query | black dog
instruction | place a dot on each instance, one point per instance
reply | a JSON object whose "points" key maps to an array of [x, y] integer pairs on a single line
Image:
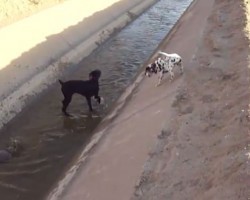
{"points": [[88, 88]]}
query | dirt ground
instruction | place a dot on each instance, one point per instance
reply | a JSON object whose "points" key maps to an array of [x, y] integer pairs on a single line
{"points": [[204, 151], [11, 11]]}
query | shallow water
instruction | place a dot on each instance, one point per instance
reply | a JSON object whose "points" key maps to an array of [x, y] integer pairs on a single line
{"points": [[50, 140]]}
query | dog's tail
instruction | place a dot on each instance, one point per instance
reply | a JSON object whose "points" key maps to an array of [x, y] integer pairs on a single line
{"points": [[163, 53], [61, 82]]}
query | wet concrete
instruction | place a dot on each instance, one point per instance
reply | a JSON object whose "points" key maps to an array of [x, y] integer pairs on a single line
{"points": [[51, 140]]}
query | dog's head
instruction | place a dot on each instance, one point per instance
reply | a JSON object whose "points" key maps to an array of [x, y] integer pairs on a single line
{"points": [[95, 74], [99, 100], [150, 69], [154, 67]]}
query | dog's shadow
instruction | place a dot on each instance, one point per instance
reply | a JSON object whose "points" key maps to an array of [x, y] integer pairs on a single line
{"points": [[166, 79]]}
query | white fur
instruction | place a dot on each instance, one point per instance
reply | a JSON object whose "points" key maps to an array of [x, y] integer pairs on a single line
{"points": [[170, 61]]}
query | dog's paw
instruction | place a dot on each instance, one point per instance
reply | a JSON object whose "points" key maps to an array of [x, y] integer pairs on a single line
{"points": [[67, 114], [91, 112]]}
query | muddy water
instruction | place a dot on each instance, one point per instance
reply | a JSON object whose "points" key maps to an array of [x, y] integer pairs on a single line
{"points": [[51, 140]]}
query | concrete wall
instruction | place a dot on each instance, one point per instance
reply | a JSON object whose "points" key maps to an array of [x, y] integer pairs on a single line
{"points": [[36, 50]]}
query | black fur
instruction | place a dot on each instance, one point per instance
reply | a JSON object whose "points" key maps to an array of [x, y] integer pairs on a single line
{"points": [[152, 68], [87, 88]]}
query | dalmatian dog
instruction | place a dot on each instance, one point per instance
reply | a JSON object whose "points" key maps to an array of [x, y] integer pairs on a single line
{"points": [[164, 65], [170, 62]]}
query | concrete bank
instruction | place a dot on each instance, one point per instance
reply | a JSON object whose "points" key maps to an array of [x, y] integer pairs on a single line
{"points": [[40, 48], [109, 167]]}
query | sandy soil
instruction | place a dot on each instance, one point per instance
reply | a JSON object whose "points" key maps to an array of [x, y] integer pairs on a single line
{"points": [[203, 152], [13, 10]]}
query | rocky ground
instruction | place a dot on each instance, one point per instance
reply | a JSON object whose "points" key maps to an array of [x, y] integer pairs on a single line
{"points": [[204, 151]]}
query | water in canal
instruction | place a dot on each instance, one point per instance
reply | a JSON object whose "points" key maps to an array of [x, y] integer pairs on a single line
{"points": [[50, 140]]}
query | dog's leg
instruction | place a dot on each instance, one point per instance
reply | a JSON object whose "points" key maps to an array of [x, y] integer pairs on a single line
{"points": [[89, 103], [66, 101], [181, 67], [160, 77], [170, 69], [171, 74]]}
